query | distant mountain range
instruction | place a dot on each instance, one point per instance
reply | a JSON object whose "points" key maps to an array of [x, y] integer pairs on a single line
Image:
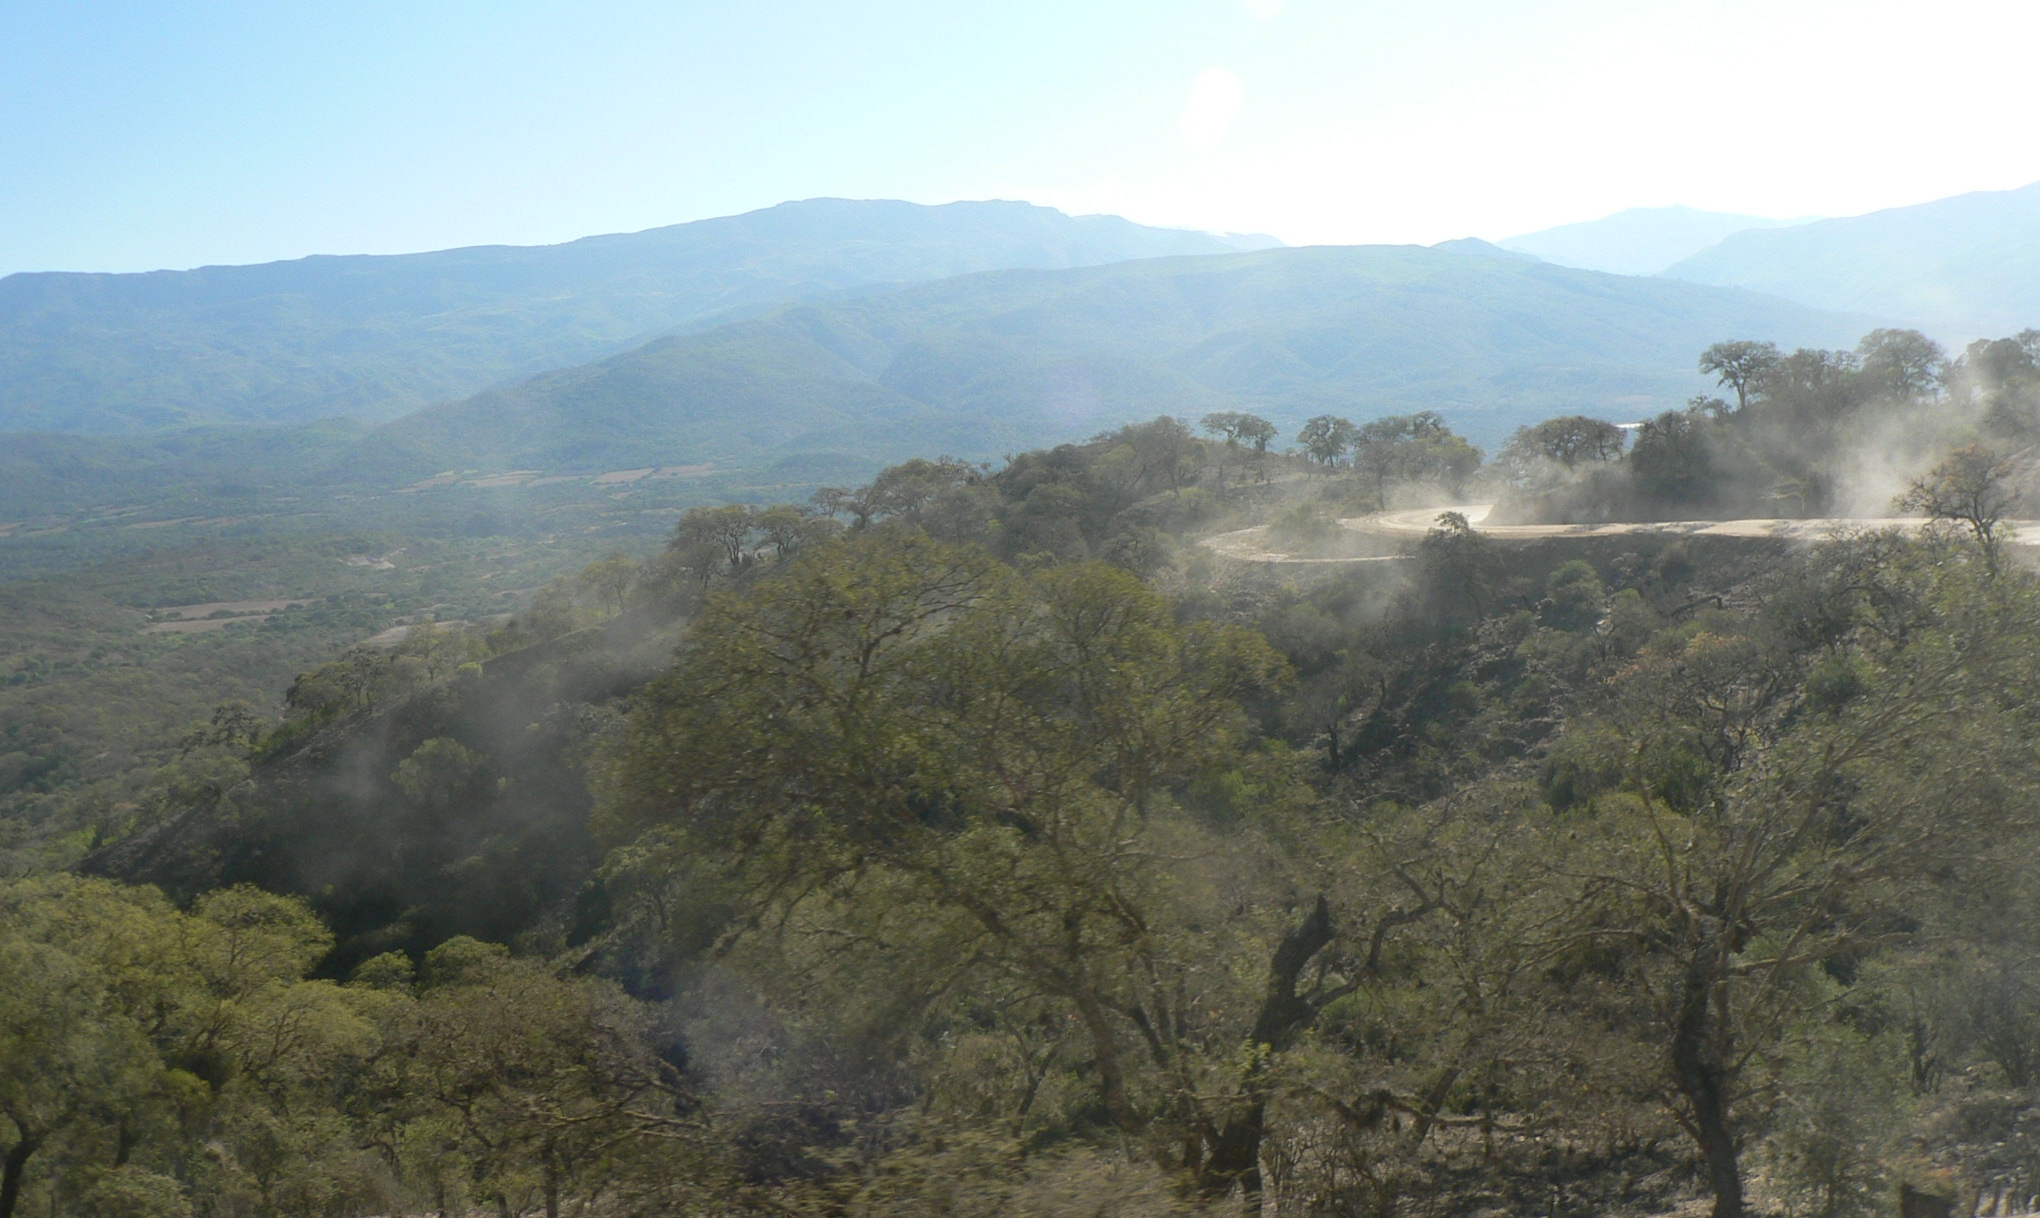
{"points": [[1639, 241], [378, 337], [994, 362], [1962, 268], [812, 340]]}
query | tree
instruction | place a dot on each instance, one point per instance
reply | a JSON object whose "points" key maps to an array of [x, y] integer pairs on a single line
{"points": [[2003, 361], [518, 1086], [123, 1015], [1568, 441], [609, 581], [1672, 463], [2003, 377], [788, 529], [1326, 438], [710, 542], [1240, 428], [1413, 447], [1457, 560], [1741, 363], [1972, 487], [1809, 396], [900, 491], [1905, 364], [1756, 850], [923, 755], [64, 1055], [1164, 452], [440, 773], [234, 725]]}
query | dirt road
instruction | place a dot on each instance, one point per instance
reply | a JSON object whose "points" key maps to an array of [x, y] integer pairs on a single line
{"points": [[1252, 545], [1418, 521]]}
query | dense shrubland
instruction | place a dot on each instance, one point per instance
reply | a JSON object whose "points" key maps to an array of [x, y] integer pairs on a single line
{"points": [[970, 842]]}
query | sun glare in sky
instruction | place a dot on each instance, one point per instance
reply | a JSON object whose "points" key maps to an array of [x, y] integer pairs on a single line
{"points": [[1214, 101], [224, 133]]}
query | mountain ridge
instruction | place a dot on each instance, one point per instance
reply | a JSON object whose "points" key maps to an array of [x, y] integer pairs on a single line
{"points": [[1963, 267], [1636, 240], [980, 364], [375, 336]]}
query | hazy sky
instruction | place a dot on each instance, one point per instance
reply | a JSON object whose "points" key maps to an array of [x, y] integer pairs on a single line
{"points": [[157, 135]]}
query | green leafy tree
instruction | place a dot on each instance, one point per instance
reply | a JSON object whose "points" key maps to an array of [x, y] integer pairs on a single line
{"points": [[1904, 364], [1742, 364], [1240, 428], [1754, 846], [902, 741], [788, 529], [1568, 441], [901, 492], [515, 1087], [124, 1017], [1327, 438], [1673, 462], [608, 581], [711, 541], [1413, 448]]}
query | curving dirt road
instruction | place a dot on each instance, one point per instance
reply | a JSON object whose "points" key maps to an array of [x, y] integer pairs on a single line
{"points": [[1418, 521], [1251, 545]]}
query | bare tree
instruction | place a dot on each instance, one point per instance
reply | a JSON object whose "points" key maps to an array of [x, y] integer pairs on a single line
{"points": [[1972, 488]]}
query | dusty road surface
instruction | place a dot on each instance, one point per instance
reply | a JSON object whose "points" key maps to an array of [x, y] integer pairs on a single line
{"points": [[1253, 545], [1418, 521]]}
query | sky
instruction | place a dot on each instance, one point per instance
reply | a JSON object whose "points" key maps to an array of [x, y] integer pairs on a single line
{"points": [[136, 136]]}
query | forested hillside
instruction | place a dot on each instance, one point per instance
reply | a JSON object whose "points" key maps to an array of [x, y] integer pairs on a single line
{"points": [[987, 364], [377, 337], [981, 841]]}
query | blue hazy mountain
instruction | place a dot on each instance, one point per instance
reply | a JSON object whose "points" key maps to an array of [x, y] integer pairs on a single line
{"points": [[1963, 267], [379, 336], [990, 363], [1639, 241]]}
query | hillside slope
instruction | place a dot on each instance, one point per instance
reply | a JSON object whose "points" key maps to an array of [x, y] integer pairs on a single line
{"points": [[989, 363], [1636, 241], [1965, 267], [377, 337]]}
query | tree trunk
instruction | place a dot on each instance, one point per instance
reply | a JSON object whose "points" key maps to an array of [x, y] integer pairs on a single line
{"points": [[12, 1170], [1701, 1074], [1233, 1156], [1105, 1055], [1233, 1150]]}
